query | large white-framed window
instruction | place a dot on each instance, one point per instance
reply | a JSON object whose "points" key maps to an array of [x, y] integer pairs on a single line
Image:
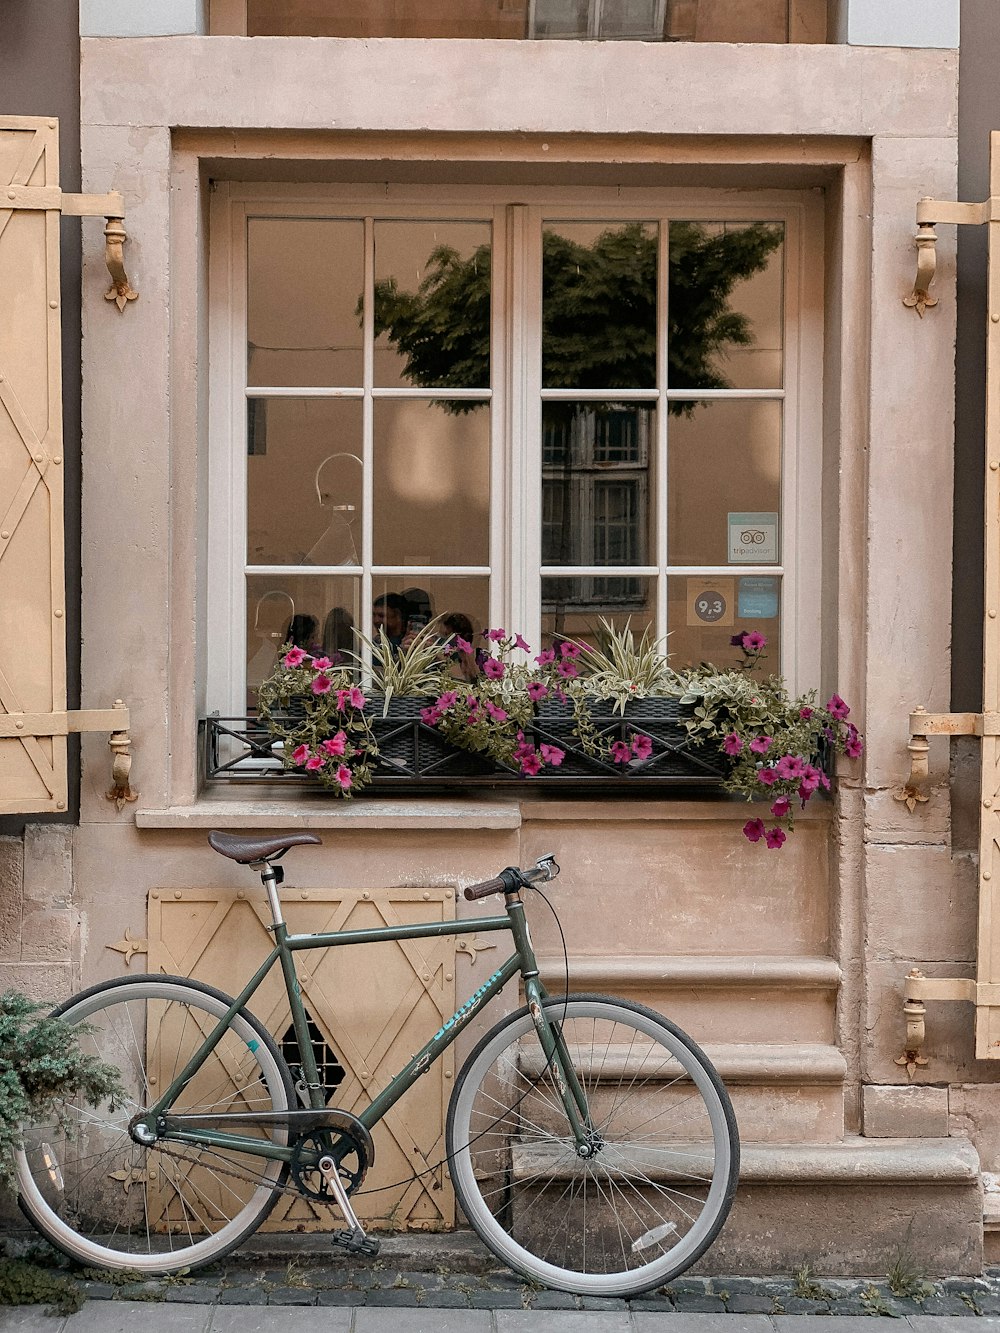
{"points": [[532, 408]]}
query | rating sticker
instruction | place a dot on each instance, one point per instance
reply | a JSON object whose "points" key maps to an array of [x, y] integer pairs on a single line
{"points": [[709, 601]]}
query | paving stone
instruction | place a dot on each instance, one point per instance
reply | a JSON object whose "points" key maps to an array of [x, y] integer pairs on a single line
{"points": [[421, 1321], [335, 1296], [446, 1300], [747, 1286], [99, 1291], [243, 1296], [602, 1303], [707, 1304], [738, 1303], [564, 1321], [127, 1316], [946, 1304], [802, 1305], [427, 1281], [27, 1319], [989, 1303], [192, 1293], [291, 1296], [553, 1300], [710, 1323], [660, 1303], [393, 1296], [275, 1319]]}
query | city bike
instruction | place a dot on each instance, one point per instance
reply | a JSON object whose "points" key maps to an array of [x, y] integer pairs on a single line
{"points": [[590, 1142]]}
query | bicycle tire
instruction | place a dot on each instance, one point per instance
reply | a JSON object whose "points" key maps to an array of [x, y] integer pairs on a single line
{"points": [[574, 1224], [109, 1202]]}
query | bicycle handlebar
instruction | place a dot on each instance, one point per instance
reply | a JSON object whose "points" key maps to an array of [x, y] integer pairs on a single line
{"points": [[512, 879]]}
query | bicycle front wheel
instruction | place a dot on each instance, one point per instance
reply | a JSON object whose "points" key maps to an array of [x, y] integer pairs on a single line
{"points": [[109, 1202], [660, 1183]]}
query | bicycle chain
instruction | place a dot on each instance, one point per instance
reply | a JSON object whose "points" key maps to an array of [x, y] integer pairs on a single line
{"points": [[245, 1176]]}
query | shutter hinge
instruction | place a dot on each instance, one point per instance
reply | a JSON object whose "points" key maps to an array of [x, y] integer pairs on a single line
{"points": [[109, 206], [929, 213], [916, 989], [18, 726], [924, 724]]}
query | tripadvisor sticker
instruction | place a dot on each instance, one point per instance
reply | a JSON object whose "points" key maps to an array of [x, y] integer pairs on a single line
{"points": [[709, 601], [753, 539]]}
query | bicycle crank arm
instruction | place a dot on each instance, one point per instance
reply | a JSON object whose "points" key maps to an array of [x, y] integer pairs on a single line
{"points": [[354, 1238]]}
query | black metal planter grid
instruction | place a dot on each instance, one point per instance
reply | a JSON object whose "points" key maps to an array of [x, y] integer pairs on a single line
{"points": [[413, 754]]}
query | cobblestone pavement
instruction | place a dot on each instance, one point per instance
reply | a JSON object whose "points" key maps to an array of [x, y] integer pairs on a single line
{"points": [[432, 1276]]}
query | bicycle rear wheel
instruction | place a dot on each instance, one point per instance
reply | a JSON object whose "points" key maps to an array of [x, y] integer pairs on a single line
{"points": [[109, 1202], [660, 1184]]}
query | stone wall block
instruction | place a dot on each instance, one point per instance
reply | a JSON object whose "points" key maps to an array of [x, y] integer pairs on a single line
{"points": [[922, 905], [974, 1111], [11, 888], [47, 912], [49, 983], [888, 819], [905, 1112]]}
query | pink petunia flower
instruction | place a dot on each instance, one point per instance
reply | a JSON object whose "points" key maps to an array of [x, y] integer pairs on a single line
{"points": [[854, 745], [753, 642], [430, 715], [356, 697], [294, 657], [767, 776], [531, 764], [520, 643], [566, 669], [569, 650], [322, 684], [344, 777], [314, 762], [546, 656], [336, 745], [300, 754], [446, 700], [781, 807], [463, 645], [552, 754], [774, 837], [836, 707], [761, 744], [494, 669], [559, 695], [732, 743], [642, 746], [810, 778], [497, 714], [536, 690], [805, 714], [321, 664], [753, 830], [495, 635], [790, 766], [621, 753]]}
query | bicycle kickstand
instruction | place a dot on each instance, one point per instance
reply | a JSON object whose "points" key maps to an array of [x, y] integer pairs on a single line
{"points": [[354, 1239]]}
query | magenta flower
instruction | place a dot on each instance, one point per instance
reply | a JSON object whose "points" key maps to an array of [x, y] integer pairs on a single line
{"points": [[463, 645], [767, 776], [805, 714], [343, 776], [335, 745], [790, 766], [621, 753], [559, 695], [642, 746], [753, 830], [567, 670], [494, 669], [497, 714], [552, 754], [321, 664], [810, 779], [314, 762], [520, 643], [431, 716], [522, 748], [300, 754], [531, 764], [774, 837], [761, 744], [781, 807], [342, 700], [754, 642], [546, 656], [446, 700], [495, 635], [356, 697], [536, 690], [732, 743], [294, 657], [854, 745], [569, 650], [836, 707], [322, 684]]}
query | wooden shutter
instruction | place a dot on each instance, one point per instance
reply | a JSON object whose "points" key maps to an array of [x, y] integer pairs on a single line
{"points": [[32, 591]]}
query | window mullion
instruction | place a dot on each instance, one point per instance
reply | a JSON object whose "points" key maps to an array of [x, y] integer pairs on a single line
{"points": [[368, 439], [660, 495], [523, 436]]}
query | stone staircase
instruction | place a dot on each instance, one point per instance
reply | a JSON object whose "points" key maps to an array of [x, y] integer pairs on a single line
{"points": [[812, 1192]]}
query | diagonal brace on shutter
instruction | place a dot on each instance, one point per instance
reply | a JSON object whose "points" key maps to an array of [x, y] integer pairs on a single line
{"points": [[115, 720], [109, 206]]}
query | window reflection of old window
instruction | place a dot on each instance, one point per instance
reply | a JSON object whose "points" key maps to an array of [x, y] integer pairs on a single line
{"points": [[522, 415]]}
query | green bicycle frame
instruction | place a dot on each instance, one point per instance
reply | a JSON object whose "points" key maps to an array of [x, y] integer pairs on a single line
{"points": [[287, 945]]}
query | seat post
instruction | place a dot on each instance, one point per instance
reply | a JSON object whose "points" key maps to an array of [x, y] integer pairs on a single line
{"points": [[271, 876]]}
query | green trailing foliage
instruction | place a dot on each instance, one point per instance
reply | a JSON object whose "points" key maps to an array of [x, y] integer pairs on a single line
{"points": [[26, 1283], [41, 1064], [599, 311]]}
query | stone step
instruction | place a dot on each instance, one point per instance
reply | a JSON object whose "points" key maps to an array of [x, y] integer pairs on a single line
{"points": [[780, 1092], [750, 998], [842, 1208]]}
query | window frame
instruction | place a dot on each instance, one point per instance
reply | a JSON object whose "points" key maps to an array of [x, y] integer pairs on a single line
{"points": [[515, 393]]}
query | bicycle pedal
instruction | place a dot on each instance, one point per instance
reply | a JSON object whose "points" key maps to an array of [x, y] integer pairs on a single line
{"points": [[355, 1242]]}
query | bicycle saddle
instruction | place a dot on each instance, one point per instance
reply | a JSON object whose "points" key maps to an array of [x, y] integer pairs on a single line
{"points": [[247, 851]]}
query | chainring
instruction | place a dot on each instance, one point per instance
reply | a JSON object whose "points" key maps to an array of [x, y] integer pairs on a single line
{"points": [[350, 1155]]}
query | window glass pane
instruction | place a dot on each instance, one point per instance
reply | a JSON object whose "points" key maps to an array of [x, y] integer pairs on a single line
{"points": [[562, 18], [705, 613], [725, 305], [573, 608], [599, 305], [432, 304], [304, 481], [305, 281], [724, 474], [460, 604], [597, 482], [315, 611], [388, 18], [432, 482]]}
